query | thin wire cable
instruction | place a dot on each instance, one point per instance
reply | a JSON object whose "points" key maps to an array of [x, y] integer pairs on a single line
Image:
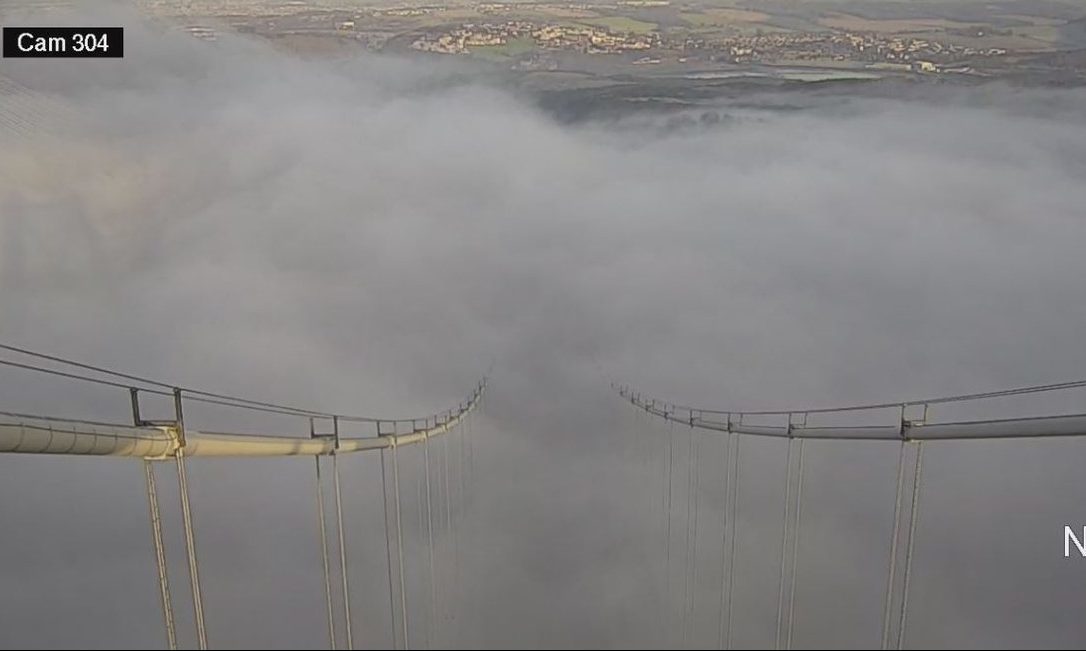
{"points": [[446, 587], [694, 542], [914, 516], [160, 556], [684, 620], [1002, 393], [725, 520], [324, 556], [430, 543], [75, 376], [399, 546], [342, 552], [75, 421], [735, 534], [448, 499], [190, 549], [462, 512], [388, 550], [194, 394], [467, 479], [893, 547], [667, 538], [88, 367], [795, 547], [662, 600], [784, 543]]}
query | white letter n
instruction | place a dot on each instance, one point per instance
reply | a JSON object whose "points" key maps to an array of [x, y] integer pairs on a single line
{"points": [[1068, 536]]}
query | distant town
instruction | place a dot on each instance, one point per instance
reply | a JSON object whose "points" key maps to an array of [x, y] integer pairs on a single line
{"points": [[967, 38]]}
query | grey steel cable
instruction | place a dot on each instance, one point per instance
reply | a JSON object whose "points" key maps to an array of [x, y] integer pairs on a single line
{"points": [[667, 547], [795, 547], [194, 394], [342, 552], [75, 376], [661, 600], [399, 546], [686, 542], [447, 580], [893, 547], [430, 543], [694, 542], [88, 367], [914, 516], [1002, 393], [735, 533], [448, 499], [784, 543], [324, 556], [77, 421], [190, 549], [1059, 425], [388, 549], [160, 556], [725, 521]]}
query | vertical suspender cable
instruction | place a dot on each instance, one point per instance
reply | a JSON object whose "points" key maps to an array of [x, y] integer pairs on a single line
{"points": [[725, 520], [462, 511], [795, 547], [914, 515], [186, 517], [694, 541], [342, 552], [667, 537], [448, 499], [686, 538], [190, 549], [324, 556], [399, 545], [446, 600], [784, 542], [735, 534], [160, 556], [388, 549], [430, 541], [469, 476], [893, 547]]}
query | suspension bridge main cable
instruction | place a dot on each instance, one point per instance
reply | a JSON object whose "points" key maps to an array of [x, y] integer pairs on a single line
{"points": [[159, 387], [910, 429], [965, 397]]}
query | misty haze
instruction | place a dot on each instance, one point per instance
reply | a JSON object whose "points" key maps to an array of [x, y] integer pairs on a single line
{"points": [[545, 229]]}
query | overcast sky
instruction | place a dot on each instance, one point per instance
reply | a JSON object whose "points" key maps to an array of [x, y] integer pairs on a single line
{"points": [[368, 235]]}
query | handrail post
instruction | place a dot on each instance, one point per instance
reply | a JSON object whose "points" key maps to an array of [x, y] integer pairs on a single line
{"points": [[134, 396]]}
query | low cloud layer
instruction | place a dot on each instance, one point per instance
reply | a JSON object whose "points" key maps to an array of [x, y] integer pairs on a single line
{"points": [[367, 235]]}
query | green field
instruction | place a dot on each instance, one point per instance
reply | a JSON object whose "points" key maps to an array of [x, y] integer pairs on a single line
{"points": [[621, 24]]}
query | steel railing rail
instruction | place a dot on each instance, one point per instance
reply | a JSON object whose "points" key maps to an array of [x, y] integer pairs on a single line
{"points": [[118, 379], [907, 429], [27, 433]]}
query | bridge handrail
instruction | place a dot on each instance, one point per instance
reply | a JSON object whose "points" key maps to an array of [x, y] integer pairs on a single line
{"points": [[157, 387], [907, 429]]}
